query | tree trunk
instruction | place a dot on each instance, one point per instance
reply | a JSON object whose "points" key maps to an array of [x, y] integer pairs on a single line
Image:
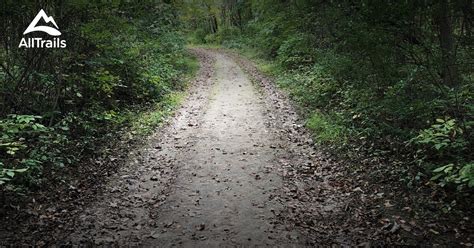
{"points": [[446, 38], [214, 21]]}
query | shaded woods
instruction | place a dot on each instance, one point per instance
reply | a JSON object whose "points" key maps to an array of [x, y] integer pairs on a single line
{"points": [[384, 86], [392, 78], [57, 105]]}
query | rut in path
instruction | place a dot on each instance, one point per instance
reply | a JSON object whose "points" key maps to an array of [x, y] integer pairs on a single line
{"points": [[206, 179]]}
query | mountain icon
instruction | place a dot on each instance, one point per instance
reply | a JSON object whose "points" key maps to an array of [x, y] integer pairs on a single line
{"points": [[49, 30]]}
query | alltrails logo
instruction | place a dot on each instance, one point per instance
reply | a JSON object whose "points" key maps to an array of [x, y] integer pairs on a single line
{"points": [[40, 42]]}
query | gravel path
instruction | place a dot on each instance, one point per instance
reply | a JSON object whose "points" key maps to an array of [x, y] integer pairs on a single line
{"points": [[211, 177]]}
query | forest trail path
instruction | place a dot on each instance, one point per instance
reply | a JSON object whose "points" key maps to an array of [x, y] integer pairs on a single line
{"points": [[207, 178]]}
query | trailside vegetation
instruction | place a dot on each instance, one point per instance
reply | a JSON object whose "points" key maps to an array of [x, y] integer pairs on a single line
{"points": [[390, 78], [123, 63]]}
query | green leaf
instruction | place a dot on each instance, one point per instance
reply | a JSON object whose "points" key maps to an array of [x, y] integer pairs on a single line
{"points": [[471, 183], [436, 177], [10, 173], [440, 169], [65, 128]]}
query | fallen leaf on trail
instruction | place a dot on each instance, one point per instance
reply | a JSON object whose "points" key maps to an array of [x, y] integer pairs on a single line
{"points": [[387, 204], [395, 227], [406, 227], [358, 189], [201, 227]]}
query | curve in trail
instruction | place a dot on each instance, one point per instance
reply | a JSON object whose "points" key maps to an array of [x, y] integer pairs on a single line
{"points": [[206, 179]]}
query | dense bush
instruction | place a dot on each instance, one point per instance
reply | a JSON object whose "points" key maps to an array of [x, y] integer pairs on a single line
{"points": [[27, 145], [445, 143], [295, 53], [56, 106]]}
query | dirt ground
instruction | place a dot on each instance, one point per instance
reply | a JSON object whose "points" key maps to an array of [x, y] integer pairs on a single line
{"points": [[207, 179], [233, 167]]}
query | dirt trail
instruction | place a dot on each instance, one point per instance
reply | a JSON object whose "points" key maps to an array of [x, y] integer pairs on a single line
{"points": [[233, 167], [211, 177]]}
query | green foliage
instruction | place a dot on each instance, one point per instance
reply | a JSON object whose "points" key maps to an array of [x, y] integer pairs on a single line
{"points": [[123, 59], [197, 37], [268, 34], [224, 36], [461, 175], [295, 53], [380, 71], [312, 88], [443, 137], [326, 130], [444, 142], [145, 123], [8, 174], [27, 144]]}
